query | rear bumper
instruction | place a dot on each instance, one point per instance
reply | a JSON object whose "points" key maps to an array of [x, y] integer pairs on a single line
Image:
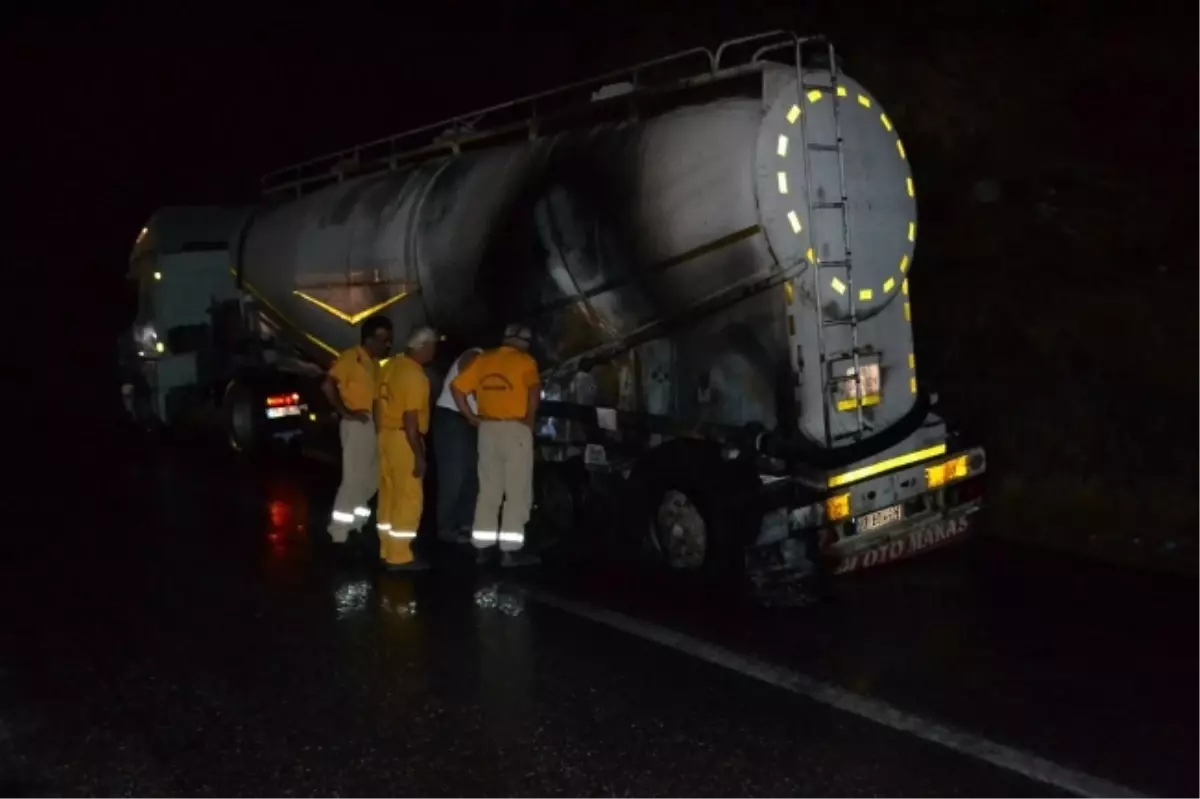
{"points": [[914, 536], [800, 543]]}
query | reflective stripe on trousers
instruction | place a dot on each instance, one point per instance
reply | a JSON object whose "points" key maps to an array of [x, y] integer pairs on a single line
{"points": [[360, 478], [505, 478], [509, 542]]}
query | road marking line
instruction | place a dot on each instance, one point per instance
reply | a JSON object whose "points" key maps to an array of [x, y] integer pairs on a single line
{"points": [[975, 746]]}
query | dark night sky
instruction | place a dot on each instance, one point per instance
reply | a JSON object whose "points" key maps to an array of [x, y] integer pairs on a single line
{"points": [[118, 114]]}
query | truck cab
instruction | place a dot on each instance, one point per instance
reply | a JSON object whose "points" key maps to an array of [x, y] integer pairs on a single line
{"points": [[197, 354]]}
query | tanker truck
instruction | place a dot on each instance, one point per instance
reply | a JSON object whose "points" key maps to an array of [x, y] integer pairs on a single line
{"points": [[714, 251]]}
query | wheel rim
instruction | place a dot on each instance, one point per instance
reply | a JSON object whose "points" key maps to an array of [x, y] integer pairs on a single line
{"points": [[680, 531]]}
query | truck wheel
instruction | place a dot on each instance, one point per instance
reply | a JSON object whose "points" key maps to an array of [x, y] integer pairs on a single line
{"points": [[689, 511], [242, 423]]}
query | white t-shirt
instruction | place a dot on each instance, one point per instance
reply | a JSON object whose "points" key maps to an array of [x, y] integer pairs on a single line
{"points": [[445, 399]]}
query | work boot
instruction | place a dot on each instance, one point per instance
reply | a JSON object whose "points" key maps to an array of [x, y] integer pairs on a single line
{"points": [[406, 568], [513, 559]]}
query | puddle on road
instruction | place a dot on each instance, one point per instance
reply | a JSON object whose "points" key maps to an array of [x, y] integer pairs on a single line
{"points": [[497, 597]]}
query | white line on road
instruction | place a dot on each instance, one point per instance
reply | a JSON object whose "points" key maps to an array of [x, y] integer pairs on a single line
{"points": [[978, 747]]}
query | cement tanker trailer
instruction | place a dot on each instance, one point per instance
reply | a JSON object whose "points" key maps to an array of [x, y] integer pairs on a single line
{"points": [[714, 252]]}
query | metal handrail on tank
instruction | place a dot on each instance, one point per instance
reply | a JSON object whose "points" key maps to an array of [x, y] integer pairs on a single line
{"points": [[467, 122], [784, 39], [448, 134]]}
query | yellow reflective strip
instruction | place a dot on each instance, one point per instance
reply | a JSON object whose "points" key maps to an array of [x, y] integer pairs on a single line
{"points": [[865, 295], [814, 95], [838, 286], [904, 287], [889, 284], [849, 404], [795, 220], [348, 318], [907, 312], [864, 101], [789, 292], [285, 319], [841, 91], [900, 147], [864, 472], [783, 183], [793, 114], [912, 361], [781, 149], [812, 259], [904, 263], [912, 231], [912, 385], [909, 184], [887, 123]]}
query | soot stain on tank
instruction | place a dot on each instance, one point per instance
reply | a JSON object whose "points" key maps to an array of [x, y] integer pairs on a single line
{"points": [[576, 187]]}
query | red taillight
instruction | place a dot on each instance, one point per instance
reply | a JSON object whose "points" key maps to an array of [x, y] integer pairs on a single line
{"points": [[279, 400], [970, 490]]}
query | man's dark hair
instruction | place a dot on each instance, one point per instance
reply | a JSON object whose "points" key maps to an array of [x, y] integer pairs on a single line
{"points": [[373, 325]]}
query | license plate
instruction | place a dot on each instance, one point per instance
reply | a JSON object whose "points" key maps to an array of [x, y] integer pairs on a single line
{"points": [[286, 410], [879, 518]]}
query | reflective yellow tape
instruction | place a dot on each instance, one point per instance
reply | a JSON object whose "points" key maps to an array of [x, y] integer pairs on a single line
{"points": [[889, 284], [864, 472], [850, 404], [795, 220], [793, 114]]}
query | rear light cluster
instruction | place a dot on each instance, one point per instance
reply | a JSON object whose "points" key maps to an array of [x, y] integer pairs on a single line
{"points": [[966, 491], [281, 400], [942, 473]]}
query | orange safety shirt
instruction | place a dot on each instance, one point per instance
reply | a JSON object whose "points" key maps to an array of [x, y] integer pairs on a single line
{"points": [[500, 379], [356, 374], [403, 386]]}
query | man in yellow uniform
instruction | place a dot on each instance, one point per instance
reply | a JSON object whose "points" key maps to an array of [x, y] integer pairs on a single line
{"points": [[350, 389], [402, 414], [507, 390]]}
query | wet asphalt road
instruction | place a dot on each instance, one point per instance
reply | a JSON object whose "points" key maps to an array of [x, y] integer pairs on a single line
{"points": [[195, 642]]}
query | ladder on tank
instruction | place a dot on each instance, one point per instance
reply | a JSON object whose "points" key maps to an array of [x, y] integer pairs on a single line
{"points": [[830, 382]]}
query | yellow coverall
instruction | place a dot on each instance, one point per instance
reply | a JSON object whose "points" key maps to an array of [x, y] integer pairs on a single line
{"points": [[403, 386]]}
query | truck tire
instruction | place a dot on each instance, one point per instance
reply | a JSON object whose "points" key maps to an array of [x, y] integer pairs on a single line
{"points": [[243, 425], [691, 512]]}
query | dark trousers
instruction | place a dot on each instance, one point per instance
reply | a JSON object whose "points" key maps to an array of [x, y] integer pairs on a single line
{"points": [[454, 448]]}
